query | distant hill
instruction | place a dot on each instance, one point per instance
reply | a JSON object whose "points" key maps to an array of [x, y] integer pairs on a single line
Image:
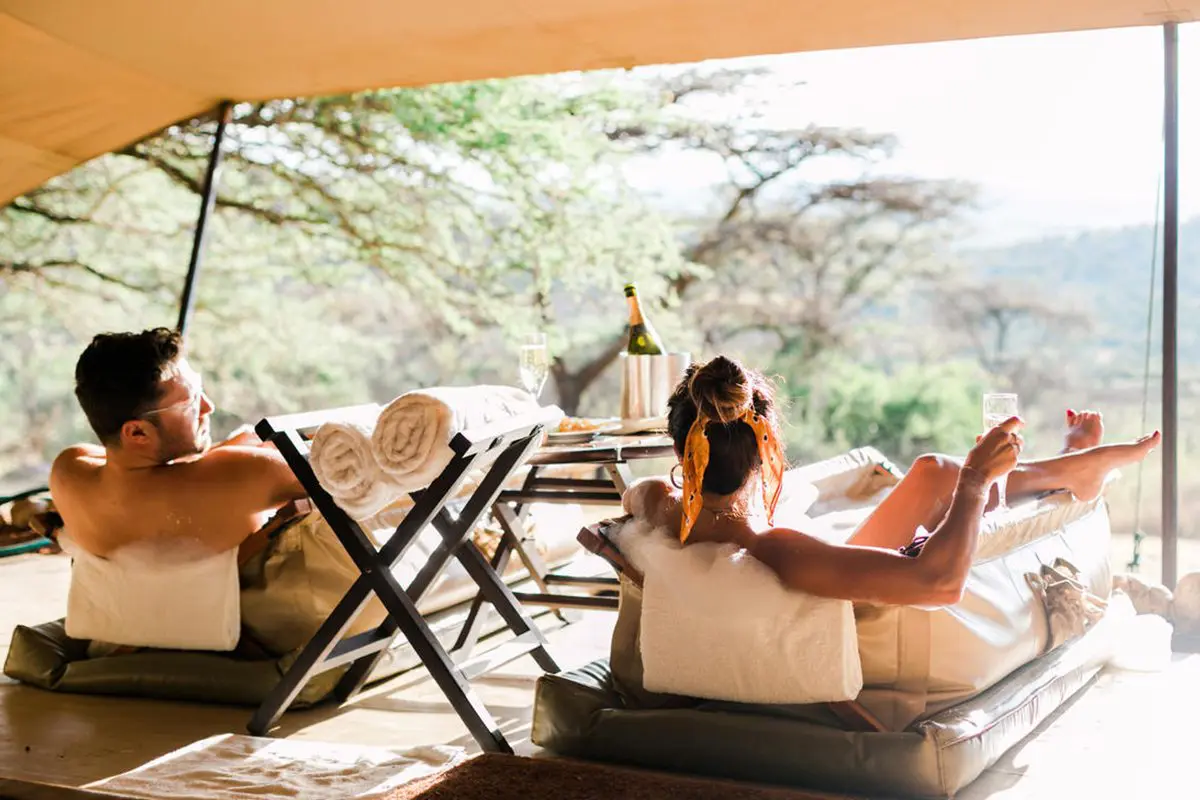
{"points": [[1110, 270]]}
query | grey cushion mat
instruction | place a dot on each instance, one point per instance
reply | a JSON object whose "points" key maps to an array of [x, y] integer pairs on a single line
{"points": [[582, 714], [44, 656]]}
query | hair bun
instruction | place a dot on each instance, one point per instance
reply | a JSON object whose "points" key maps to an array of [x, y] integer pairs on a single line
{"points": [[721, 389]]}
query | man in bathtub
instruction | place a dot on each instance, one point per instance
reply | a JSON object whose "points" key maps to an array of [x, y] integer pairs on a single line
{"points": [[156, 475], [158, 487]]}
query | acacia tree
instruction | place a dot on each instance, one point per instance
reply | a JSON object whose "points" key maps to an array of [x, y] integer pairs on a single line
{"points": [[362, 245], [780, 254], [1017, 333], [436, 188], [365, 244]]}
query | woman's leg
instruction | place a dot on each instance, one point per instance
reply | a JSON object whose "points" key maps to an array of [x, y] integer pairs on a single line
{"points": [[923, 496], [1081, 472]]}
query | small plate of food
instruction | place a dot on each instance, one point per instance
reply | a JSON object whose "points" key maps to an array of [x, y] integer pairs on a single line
{"points": [[578, 430]]}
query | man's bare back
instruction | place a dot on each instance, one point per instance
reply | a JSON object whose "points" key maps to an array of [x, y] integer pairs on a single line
{"points": [[157, 478], [219, 499]]}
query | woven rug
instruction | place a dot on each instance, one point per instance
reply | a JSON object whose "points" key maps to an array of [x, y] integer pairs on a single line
{"points": [[500, 777], [230, 766], [486, 777]]}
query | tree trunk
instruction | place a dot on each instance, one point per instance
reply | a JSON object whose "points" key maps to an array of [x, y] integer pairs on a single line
{"points": [[570, 391], [571, 384]]}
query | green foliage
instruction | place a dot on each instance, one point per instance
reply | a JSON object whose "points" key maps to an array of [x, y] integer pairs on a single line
{"points": [[912, 410]]}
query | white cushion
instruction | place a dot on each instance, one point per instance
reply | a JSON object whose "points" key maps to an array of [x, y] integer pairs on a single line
{"points": [[717, 623], [175, 597], [918, 661]]}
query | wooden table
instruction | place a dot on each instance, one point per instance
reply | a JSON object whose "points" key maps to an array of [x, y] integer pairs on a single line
{"points": [[611, 455]]}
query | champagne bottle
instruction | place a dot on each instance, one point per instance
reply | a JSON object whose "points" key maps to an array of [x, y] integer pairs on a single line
{"points": [[643, 339]]}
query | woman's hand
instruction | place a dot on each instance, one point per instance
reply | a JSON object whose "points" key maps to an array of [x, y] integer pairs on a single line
{"points": [[997, 451]]}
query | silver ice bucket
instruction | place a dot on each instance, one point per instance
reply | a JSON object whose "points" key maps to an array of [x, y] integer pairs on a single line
{"points": [[647, 383]]}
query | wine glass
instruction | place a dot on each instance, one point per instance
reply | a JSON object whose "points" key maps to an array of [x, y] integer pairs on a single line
{"points": [[535, 362], [997, 408]]}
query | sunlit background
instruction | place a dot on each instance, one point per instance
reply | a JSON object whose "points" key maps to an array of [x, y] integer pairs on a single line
{"points": [[536, 198]]}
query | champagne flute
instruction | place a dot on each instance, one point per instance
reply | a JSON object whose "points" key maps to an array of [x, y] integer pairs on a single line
{"points": [[534, 362], [997, 408]]}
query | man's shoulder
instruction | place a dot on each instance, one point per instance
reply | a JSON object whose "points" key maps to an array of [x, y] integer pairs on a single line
{"points": [[76, 459], [73, 477], [238, 461], [80, 451], [260, 471]]}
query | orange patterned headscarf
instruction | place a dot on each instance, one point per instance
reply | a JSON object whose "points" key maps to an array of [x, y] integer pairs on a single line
{"points": [[695, 461]]}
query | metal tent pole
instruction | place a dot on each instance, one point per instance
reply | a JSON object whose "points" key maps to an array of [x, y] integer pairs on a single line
{"points": [[1170, 354], [207, 199]]}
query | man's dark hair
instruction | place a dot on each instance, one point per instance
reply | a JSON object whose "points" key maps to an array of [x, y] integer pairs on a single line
{"points": [[118, 377]]}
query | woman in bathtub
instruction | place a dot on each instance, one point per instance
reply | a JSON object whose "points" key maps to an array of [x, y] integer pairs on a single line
{"points": [[724, 421]]}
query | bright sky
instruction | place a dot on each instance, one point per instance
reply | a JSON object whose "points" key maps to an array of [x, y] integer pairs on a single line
{"points": [[1061, 132]]}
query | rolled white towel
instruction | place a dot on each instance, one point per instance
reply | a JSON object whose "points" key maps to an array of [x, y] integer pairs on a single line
{"points": [[344, 462], [412, 436]]}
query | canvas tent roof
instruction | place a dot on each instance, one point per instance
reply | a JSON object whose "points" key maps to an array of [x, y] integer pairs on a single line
{"points": [[79, 78]]}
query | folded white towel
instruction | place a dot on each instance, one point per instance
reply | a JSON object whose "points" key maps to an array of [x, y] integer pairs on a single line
{"points": [[412, 437], [717, 623], [344, 462]]}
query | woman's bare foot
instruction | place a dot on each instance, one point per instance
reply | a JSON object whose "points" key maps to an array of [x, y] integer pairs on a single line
{"points": [[1084, 429], [1090, 468]]}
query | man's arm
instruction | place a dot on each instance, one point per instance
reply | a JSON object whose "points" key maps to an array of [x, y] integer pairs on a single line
{"points": [[76, 454], [260, 474]]}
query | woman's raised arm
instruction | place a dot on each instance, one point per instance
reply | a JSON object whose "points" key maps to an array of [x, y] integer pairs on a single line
{"points": [[934, 577]]}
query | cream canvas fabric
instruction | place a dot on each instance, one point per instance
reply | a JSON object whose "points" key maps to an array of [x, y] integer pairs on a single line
{"points": [[289, 589], [81, 78]]}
